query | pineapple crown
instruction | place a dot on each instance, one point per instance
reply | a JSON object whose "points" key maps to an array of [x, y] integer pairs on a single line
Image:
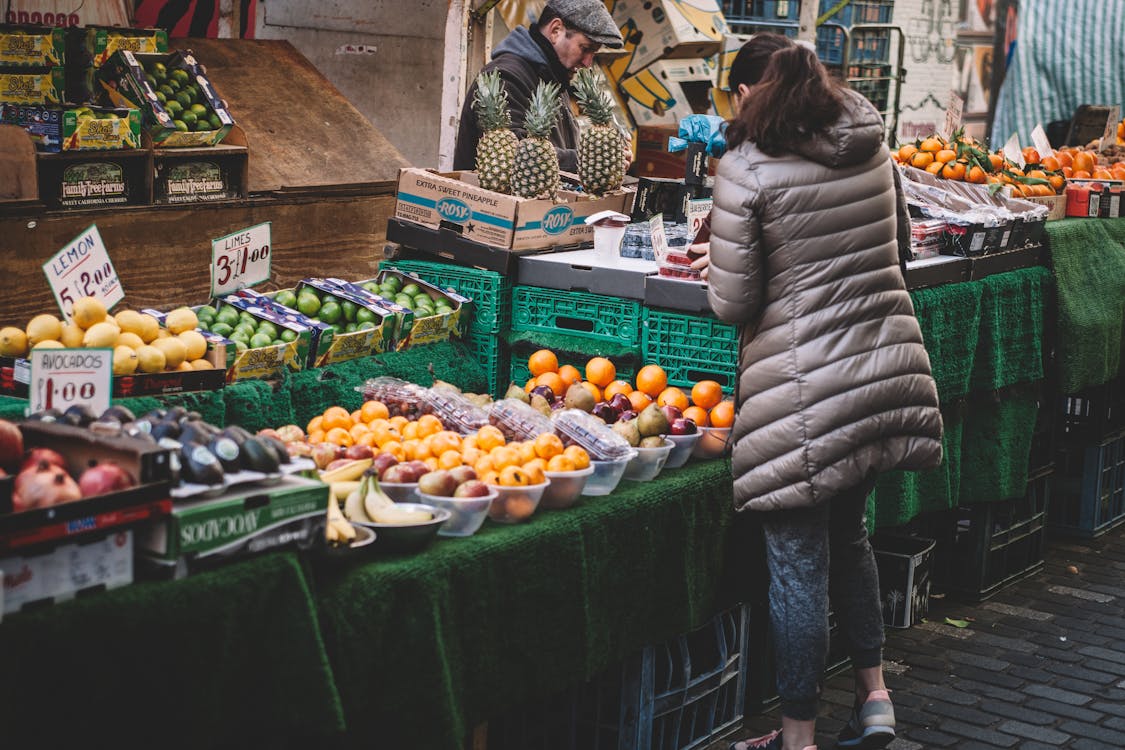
{"points": [[592, 98], [490, 102], [542, 110]]}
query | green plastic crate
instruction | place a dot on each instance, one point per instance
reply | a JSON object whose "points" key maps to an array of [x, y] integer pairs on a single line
{"points": [[492, 352], [691, 348], [490, 292], [591, 316]]}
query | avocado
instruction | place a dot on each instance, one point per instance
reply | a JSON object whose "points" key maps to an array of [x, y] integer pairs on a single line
{"points": [[166, 428], [257, 457], [237, 434], [277, 447], [200, 465], [79, 415], [228, 453], [120, 413]]}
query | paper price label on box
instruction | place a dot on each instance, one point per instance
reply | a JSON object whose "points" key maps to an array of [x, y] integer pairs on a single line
{"points": [[240, 259], [698, 210], [1039, 140], [952, 115], [83, 269], [61, 378], [659, 240]]}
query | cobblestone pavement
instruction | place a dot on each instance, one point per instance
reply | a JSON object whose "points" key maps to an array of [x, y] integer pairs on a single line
{"points": [[1040, 665]]}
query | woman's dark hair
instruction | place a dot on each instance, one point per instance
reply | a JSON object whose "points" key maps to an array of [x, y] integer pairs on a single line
{"points": [[795, 99], [750, 63]]}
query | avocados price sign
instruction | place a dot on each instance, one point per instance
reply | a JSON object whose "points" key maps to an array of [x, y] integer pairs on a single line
{"points": [[61, 378], [240, 259]]}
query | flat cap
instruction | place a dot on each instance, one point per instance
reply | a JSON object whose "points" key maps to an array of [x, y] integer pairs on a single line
{"points": [[591, 18]]}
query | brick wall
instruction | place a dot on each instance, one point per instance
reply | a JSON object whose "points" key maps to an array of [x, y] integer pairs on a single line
{"points": [[929, 28]]}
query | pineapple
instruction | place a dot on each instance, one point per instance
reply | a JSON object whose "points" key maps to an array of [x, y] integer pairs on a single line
{"points": [[601, 151], [497, 147], [535, 173]]}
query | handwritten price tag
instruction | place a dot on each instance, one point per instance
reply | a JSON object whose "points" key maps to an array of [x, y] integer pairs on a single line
{"points": [[61, 378], [659, 239], [240, 260], [698, 210], [83, 269]]}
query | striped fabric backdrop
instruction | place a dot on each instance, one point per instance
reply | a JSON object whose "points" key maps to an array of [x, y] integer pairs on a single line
{"points": [[1068, 52]]}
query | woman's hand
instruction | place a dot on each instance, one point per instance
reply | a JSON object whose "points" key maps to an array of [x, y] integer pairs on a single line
{"points": [[703, 262]]}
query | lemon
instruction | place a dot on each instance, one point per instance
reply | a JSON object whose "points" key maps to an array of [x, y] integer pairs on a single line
{"points": [[185, 366], [163, 333], [72, 335], [124, 360], [181, 319], [88, 311], [196, 344], [49, 344], [102, 334], [43, 327], [130, 321], [13, 342], [150, 328], [130, 339], [201, 364], [150, 359], [174, 350]]}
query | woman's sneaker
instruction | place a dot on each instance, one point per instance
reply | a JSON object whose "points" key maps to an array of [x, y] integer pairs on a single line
{"points": [[771, 741], [872, 725]]}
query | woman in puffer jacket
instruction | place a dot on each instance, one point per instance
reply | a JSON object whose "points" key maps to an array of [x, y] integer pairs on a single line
{"points": [[834, 384]]}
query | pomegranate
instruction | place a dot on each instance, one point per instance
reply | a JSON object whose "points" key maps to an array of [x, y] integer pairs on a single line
{"points": [[104, 478], [42, 486], [37, 455], [11, 445]]}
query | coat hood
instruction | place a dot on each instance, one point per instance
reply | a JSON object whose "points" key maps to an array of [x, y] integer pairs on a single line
{"points": [[854, 139], [519, 42]]}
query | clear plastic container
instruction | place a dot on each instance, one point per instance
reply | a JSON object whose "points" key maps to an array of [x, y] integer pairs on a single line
{"points": [[677, 265], [466, 514], [607, 474], [648, 463], [453, 409], [636, 240], [565, 487], [602, 443], [713, 442], [517, 420], [682, 447], [516, 504], [401, 398]]}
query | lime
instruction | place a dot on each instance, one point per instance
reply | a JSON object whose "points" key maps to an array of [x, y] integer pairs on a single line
{"points": [[372, 287], [216, 123], [201, 125], [349, 309], [174, 107], [363, 315], [180, 125], [288, 335], [330, 312], [193, 91], [239, 336], [207, 310], [259, 340], [180, 75], [167, 90], [189, 117], [411, 289], [222, 329], [404, 300], [199, 110], [246, 317], [393, 282], [240, 346], [286, 298], [183, 98], [367, 325], [227, 315], [159, 71], [308, 303], [172, 84], [349, 328], [246, 329], [151, 80], [268, 328]]}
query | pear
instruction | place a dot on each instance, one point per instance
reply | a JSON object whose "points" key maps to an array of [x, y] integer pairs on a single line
{"points": [[628, 430], [578, 396], [540, 404], [514, 391], [652, 441], [652, 421]]}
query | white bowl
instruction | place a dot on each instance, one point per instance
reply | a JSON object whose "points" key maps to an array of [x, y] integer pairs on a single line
{"points": [[715, 442], [648, 463], [516, 504], [466, 514], [682, 446], [607, 474], [565, 487]]}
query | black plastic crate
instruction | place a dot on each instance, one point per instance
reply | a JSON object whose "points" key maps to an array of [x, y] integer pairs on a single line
{"points": [[761, 689], [1044, 437], [1089, 489], [1094, 414], [983, 548], [905, 566]]}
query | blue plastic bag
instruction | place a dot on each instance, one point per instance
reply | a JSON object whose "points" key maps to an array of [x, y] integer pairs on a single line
{"points": [[709, 130]]}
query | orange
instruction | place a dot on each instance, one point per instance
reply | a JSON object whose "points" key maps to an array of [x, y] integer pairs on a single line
{"points": [[921, 159], [469, 441], [907, 151], [483, 465], [722, 415], [372, 410], [1038, 174], [449, 459], [399, 422], [931, 144], [526, 451], [617, 386], [490, 477], [570, 375], [561, 463], [431, 463], [1058, 182], [514, 476], [1102, 173], [389, 435], [339, 436], [976, 175], [673, 396], [1050, 163], [1081, 174], [935, 168], [593, 389], [504, 456], [489, 437], [542, 361], [548, 445], [446, 440], [1068, 172], [698, 415], [552, 381], [336, 416], [410, 432], [953, 170], [314, 425], [316, 437], [945, 155], [651, 379], [357, 431], [428, 424], [600, 371], [355, 417], [470, 456], [1084, 162], [1064, 159], [578, 455], [706, 393], [395, 448], [1030, 155], [411, 449], [367, 438], [639, 400], [997, 162], [534, 471]]}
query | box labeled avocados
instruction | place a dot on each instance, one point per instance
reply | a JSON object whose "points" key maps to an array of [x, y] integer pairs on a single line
{"points": [[32, 46], [242, 521], [32, 85], [54, 128]]}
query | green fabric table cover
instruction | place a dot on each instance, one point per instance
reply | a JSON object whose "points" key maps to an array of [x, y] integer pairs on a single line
{"points": [[227, 658], [424, 647], [1089, 260]]}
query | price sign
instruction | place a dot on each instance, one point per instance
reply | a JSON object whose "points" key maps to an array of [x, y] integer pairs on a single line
{"points": [[61, 378], [1109, 135], [83, 269], [659, 241], [1039, 140], [240, 260], [952, 115], [1012, 151], [697, 210]]}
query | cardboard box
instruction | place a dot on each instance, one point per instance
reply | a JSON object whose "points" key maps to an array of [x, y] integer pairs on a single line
{"points": [[904, 564], [32, 46], [32, 85], [15, 378], [1055, 203], [499, 220], [669, 90], [66, 571], [722, 104], [124, 81], [92, 179], [728, 50], [100, 42], [431, 328], [272, 361], [656, 195], [54, 128], [669, 28], [237, 523], [201, 175]]}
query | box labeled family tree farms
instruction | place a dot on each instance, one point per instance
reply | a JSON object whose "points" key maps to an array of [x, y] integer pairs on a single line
{"points": [[458, 202]]}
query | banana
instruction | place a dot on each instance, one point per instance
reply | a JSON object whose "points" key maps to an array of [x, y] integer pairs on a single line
{"points": [[399, 517], [346, 473], [374, 499], [338, 529], [341, 490], [353, 505]]}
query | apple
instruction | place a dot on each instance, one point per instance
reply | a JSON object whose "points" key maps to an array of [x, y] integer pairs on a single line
{"points": [[605, 412], [620, 402], [545, 392], [416, 469], [462, 474], [671, 413], [438, 482], [290, 433], [338, 463], [324, 454], [383, 461], [682, 426], [299, 449], [356, 452], [397, 474], [472, 488], [270, 432], [627, 415]]}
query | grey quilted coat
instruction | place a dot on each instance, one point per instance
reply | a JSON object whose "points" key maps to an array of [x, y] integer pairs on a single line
{"points": [[833, 380]]}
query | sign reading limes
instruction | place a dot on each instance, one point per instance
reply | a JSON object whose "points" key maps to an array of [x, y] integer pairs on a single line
{"points": [[240, 259], [83, 269], [61, 378]]}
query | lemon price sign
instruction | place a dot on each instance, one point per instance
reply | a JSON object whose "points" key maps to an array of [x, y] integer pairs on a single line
{"points": [[61, 378], [240, 259], [83, 269]]}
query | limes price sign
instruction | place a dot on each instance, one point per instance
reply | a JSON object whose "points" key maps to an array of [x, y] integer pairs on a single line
{"points": [[61, 378], [240, 259], [83, 269]]}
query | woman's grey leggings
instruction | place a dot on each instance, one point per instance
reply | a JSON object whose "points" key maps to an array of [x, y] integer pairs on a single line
{"points": [[802, 545]]}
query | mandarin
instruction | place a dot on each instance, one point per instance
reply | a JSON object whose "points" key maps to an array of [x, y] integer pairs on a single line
{"points": [[722, 415], [542, 361], [600, 371]]}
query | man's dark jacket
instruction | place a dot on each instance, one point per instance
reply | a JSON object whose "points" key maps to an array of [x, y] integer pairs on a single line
{"points": [[524, 58]]}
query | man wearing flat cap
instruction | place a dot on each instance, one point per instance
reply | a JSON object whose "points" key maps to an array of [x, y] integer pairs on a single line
{"points": [[564, 39]]}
